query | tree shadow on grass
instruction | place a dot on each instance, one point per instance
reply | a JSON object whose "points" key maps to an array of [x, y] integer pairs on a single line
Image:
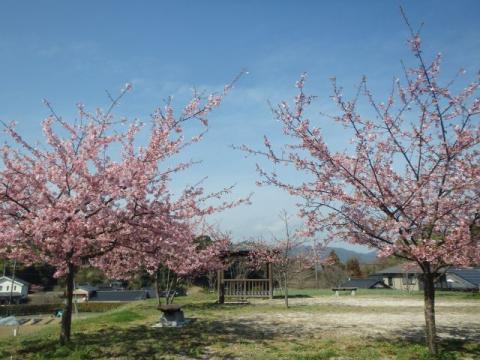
{"points": [[209, 338], [451, 339], [145, 342]]}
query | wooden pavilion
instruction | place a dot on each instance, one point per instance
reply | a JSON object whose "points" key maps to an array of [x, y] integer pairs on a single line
{"points": [[243, 288]]}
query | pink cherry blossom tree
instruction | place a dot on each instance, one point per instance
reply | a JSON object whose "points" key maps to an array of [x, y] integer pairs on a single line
{"points": [[90, 189], [285, 253], [409, 183], [170, 253]]}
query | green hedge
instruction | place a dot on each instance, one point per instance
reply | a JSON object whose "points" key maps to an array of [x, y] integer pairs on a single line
{"points": [[27, 309], [98, 306]]}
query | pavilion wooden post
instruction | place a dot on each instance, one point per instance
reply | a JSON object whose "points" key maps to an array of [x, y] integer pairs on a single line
{"points": [[221, 287], [270, 281]]}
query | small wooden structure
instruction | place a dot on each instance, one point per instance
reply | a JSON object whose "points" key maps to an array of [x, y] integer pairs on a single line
{"points": [[244, 288]]}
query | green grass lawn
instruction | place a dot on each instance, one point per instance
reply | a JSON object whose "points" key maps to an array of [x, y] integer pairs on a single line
{"points": [[125, 333]]}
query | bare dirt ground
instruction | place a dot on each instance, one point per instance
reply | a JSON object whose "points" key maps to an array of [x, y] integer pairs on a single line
{"points": [[329, 316], [376, 317], [395, 302]]}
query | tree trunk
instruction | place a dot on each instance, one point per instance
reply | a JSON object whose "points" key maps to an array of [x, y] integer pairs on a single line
{"points": [[66, 325], [270, 280], [172, 288], [167, 288], [286, 289], [157, 287], [316, 263], [221, 287], [172, 296], [429, 296]]}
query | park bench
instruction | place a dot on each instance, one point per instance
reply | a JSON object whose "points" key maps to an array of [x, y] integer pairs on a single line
{"points": [[338, 289]]}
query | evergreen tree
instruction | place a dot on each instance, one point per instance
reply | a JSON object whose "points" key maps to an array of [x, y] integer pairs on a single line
{"points": [[353, 267]]}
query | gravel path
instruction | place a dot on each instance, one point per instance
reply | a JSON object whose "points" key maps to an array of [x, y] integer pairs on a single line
{"points": [[374, 301], [378, 317]]}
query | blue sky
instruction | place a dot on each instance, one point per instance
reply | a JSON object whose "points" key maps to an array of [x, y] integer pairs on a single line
{"points": [[70, 52]]}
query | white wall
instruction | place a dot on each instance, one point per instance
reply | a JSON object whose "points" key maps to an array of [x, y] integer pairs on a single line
{"points": [[18, 288], [399, 282]]}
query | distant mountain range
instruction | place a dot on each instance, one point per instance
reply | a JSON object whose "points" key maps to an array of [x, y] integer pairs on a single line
{"points": [[344, 254]]}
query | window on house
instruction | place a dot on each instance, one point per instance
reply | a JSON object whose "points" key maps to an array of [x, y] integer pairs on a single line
{"points": [[408, 279], [390, 281], [8, 287], [15, 287], [1, 287]]}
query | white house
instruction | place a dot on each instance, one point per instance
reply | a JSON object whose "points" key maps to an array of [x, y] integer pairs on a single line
{"points": [[16, 287], [404, 277], [84, 292]]}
